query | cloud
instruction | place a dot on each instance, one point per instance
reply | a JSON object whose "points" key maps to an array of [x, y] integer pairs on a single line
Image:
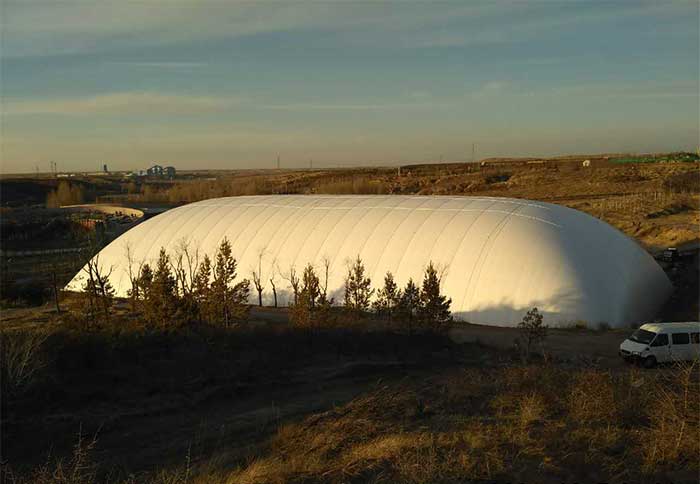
{"points": [[494, 88], [158, 64], [121, 103], [637, 90], [351, 106], [38, 28]]}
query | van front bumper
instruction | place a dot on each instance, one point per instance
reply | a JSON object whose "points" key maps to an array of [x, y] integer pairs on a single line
{"points": [[629, 356]]}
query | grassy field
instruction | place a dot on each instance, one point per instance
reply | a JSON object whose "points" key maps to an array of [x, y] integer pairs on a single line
{"points": [[657, 203], [264, 402], [367, 403]]}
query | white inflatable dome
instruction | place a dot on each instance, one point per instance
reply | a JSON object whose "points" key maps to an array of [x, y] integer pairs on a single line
{"points": [[500, 257]]}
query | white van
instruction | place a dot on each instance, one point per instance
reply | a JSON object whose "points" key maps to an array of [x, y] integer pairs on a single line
{"points": [[656, 343]]}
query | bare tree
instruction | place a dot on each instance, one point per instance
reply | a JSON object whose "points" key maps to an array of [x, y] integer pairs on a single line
{"points": [[294, 281], [326, 272], [258, 279], [97, 287], [134, 275], [184, 264], [53, 272], [274, 289]]}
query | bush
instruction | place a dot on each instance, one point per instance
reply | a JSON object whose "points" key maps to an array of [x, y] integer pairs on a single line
{"points": [[21, 360], [533, 331], [687, 182]]}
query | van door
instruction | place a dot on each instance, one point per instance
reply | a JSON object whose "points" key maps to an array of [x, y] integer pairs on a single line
{"points": [[695, 345], [680, 347], [659, 348]]}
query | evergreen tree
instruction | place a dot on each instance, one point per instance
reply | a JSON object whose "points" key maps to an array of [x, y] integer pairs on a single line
{"points": [[311, 286], [311, 309], [434, 307], [144, 281], [357, 287], [409, 304], [228, 301], [162, 303], [533, 331], [201, 289], [388, 298]]}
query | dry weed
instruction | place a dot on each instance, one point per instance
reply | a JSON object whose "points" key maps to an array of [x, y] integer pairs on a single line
{"points": [[592, 397], [21, 359], [674, 415]]}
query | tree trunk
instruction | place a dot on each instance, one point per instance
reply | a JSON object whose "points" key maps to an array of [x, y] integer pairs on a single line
{"points": [[274, 292], [55, 293]]}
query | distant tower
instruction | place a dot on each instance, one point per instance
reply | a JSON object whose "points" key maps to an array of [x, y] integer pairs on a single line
{"points": [[104, 168]]}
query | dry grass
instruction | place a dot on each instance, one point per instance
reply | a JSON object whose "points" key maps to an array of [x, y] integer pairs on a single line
{"points": [[21, 359], [80, 468], [479, 419], [515, 422], [491, 423], [357, 185]]}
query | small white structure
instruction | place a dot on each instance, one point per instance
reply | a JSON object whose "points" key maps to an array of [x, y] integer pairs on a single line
{"points": [[500, 256], [586, 163]]}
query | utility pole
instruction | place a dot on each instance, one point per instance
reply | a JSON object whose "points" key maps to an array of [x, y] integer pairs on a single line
{"points": [[473, 152]]}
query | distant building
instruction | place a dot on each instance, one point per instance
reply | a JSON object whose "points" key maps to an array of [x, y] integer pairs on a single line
{"points": [[104, 168], [157, 171]]}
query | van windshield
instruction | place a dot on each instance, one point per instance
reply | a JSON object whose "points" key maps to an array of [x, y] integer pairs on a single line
{"points": [[642, 336]]}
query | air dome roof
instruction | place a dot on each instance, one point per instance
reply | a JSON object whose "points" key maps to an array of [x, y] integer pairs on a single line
{"points": [[499, 256]]}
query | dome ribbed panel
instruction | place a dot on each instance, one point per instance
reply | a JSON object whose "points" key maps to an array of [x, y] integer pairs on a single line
{"points": [[499, 257]]}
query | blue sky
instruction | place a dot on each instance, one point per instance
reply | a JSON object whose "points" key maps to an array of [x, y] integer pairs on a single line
{"points": [[228, 84]]}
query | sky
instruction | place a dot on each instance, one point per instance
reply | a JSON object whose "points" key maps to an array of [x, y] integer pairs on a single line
{"points": [[231, 84]]}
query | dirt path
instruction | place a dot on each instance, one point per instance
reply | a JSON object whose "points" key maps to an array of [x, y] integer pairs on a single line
{"points": [[598, 347], [567, 344]]}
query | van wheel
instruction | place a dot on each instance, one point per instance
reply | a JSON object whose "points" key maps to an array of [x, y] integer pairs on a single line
{"points": [[649, 362]]}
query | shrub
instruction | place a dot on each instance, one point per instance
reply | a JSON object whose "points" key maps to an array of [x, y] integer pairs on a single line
{"points": [[533, 331], [686, 182], [21, 359], [497, 177]]}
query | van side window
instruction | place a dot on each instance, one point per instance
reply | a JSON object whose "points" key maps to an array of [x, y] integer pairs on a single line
{"points": [[661, 340], [680, 338], [695, 338]]}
